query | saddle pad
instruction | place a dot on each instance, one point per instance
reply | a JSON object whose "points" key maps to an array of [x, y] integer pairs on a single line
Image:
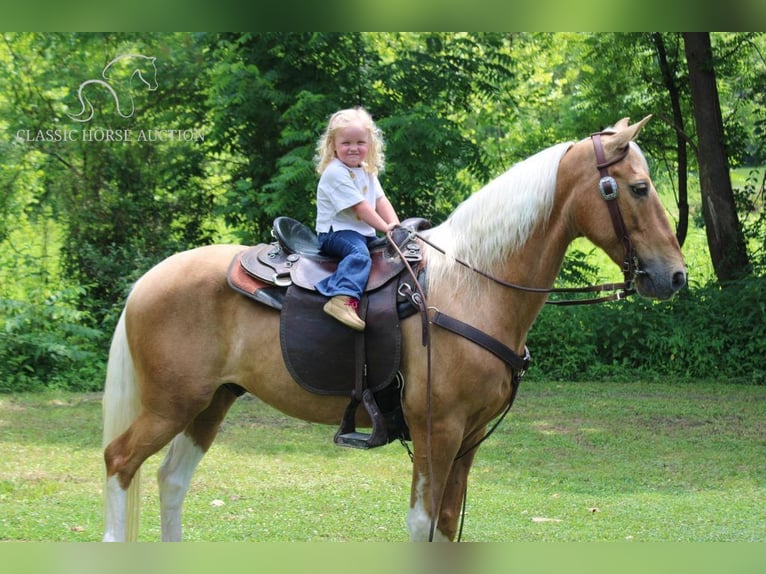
{"points": [[319, 351]]}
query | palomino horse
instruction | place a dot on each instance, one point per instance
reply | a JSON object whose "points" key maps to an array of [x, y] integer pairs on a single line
{"points": [[184, 334]]}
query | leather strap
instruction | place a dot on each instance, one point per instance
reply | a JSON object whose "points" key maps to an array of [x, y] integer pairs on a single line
{"points": [[629, 264], [624, 287], [360, 354], [503, 352]]}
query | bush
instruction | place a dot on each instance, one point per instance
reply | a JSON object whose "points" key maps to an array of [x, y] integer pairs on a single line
{"points": [[706, 333], [44, 345]]}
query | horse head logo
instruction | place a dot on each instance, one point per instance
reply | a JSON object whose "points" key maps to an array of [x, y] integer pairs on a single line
{"points": [[118, 78]]}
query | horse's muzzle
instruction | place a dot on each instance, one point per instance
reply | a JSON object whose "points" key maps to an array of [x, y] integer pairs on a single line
{"points": [[658, 282]]}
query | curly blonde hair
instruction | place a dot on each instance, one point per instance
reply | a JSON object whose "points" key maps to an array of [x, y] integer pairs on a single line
{"points": [[358, 116]]}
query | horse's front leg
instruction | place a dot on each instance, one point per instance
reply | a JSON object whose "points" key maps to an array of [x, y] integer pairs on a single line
{"points": [[432, 467], [455, 488]]}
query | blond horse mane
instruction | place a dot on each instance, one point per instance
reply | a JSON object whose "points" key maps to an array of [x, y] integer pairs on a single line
{"points": [[498, 219]]}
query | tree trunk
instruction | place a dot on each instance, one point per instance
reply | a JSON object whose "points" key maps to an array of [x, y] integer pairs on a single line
{"points": [[680, 131], [724, 234]]}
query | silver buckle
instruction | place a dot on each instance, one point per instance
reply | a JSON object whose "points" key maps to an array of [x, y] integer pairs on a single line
{"points": [[608, 187]]}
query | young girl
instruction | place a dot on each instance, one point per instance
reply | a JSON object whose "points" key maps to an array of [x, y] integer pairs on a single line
{"points": [[351, 207]]}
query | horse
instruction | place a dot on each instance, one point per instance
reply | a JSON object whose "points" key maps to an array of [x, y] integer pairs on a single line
{"points": [[138, 65], [184, 337]]}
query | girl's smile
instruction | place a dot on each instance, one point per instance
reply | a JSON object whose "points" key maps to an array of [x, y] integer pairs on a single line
{"points": [[351, 144]]}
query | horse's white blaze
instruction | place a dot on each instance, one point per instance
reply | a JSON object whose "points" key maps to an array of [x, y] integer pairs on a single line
{"points": [[174, 477], [418, 520]]}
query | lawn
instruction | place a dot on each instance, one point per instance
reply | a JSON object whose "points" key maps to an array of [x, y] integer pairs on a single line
{"points": [[572, 462]]}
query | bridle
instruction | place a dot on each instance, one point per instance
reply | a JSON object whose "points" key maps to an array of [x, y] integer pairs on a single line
{"points": [[630, 267], [608, 188]]}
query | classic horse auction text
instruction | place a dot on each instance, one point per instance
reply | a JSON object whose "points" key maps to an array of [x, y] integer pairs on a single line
{"points": [[111, 135]]}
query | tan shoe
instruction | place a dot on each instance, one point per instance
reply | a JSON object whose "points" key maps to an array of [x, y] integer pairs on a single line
{"points": [[343, 309]]}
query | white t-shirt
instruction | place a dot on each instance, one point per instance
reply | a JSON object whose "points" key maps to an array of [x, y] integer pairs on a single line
{"points": [[341, 187]]}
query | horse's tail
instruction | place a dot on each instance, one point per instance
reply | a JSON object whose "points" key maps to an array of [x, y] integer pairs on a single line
{"points": [[121, 404]]}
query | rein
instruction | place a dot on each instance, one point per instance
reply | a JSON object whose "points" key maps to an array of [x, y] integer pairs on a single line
{"points": [[630, 267], [623, 289]]}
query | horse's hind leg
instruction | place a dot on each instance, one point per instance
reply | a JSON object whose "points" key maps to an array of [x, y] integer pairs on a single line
{"points": [[124, 457], [186, 451]]}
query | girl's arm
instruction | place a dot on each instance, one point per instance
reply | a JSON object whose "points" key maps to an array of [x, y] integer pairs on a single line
{"points": [[386, 210], [370, 216]]}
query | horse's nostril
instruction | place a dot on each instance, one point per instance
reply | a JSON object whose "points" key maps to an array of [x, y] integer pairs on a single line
{"points": [[679, 280]]}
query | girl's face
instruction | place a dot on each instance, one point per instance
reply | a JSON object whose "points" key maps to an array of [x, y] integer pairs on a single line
{"points": [[351, 144]]}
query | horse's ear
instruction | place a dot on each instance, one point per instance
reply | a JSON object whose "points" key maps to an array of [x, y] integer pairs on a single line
{"points": [[637, 126], [624, 134], [621, 125]]}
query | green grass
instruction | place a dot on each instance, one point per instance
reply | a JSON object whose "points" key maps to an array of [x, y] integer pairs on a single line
{"points": [[572, 462]]}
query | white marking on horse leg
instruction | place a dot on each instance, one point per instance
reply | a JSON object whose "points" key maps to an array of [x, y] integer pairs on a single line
{"points": [[115, 508], [418, 521], [174, 476]]}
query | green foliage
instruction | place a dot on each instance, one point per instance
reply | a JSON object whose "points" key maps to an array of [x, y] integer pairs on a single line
{"points": [[427, 154], [45, 345], [708, 332], [122, 202], [274, 92], [455, 109], [750, 200], [269, 96], [578, 268]]}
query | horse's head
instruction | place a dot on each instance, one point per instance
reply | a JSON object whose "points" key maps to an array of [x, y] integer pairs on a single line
{"points": [[656, 262]]}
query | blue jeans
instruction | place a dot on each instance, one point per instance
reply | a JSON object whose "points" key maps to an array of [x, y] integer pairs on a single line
{"points": [[350, 278]]}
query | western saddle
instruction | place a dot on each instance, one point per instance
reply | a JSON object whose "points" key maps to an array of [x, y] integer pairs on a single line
{"points": [[363, 366]]}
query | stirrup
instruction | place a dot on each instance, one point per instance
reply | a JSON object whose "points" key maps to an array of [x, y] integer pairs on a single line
{"points": [[347, 434]]}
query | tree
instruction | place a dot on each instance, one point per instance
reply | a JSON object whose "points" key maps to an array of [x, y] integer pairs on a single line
{"points": [[121, 203], [272, 93], [269, 95], [674, 93], [724, 234]]}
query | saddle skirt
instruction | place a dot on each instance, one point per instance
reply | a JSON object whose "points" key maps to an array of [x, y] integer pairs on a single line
{"points": [[320, 352]]}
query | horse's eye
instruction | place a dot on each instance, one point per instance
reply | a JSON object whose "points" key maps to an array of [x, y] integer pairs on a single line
{"points": [[640, 189]]}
